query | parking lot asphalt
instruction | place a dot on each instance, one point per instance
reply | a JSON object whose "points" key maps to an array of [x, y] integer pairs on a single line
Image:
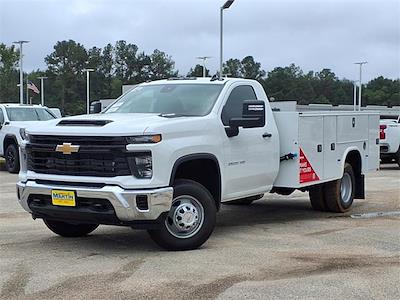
{"points": [[277, 248]]}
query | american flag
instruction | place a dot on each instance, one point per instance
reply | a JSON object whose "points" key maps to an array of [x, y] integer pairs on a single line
{"points": [[32, 86]]}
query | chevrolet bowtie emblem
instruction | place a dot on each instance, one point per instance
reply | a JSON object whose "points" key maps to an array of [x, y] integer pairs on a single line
{"points": [[67, 148]]}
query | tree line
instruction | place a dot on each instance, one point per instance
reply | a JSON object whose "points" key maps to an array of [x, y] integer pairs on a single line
{"points": [[123, 63]]}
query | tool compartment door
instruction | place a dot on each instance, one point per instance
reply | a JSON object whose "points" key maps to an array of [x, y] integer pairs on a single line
{"points": [[311, 155], [352, 128], [332, 162]]}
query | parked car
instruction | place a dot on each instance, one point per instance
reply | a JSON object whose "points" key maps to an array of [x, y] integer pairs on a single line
{"points": [[165, 156], [14, 118], [389, 139]]}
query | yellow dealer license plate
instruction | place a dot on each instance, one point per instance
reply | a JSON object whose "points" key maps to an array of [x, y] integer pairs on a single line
{"points": [[63, 198]]}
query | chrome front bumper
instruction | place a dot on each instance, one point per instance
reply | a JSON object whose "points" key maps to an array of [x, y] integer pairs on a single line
{"points": [[123, 201]]}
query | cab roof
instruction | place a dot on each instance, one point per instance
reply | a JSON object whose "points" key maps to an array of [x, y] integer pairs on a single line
{"points": [[196, 80]]}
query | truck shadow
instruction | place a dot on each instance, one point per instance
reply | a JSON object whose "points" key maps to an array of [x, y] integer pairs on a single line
{"points": [[123, 240], [389, 167], [267, 211]]}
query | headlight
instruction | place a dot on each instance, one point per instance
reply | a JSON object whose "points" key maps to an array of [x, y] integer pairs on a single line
{"points": [[141, 165], [23, 134], [144, 139]]}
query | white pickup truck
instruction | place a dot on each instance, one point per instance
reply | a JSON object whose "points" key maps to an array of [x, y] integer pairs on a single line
{"points": [[390, 139], [165, 156], [13, 119]]}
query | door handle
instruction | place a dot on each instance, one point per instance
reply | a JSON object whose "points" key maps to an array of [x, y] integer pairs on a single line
{"points": [[267, 135]]}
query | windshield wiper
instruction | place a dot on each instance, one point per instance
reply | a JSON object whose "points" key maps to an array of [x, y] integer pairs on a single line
{"points": [[174, 115]]}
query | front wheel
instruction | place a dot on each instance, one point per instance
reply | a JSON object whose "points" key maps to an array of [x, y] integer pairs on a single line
{"points": [[70, 230], [12, 158], [191, 219]]}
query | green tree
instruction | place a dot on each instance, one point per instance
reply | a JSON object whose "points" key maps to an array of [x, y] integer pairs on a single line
{"points": [[125, 59], [197, 71], [232, 68], [251, 69], [382, 91], [124, 63], [161, 66], [284, 83], [65, 66], [9, 75]]}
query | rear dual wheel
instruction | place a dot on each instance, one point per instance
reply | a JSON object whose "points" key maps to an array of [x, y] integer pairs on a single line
{"points": [[335, 196]]}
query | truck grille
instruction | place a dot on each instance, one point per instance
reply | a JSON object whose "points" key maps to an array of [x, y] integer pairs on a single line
{"points": [[97, 156]]}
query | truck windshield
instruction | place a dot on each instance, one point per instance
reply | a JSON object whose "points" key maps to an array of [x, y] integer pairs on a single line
{"points": [[28, 114], [175, 99]]}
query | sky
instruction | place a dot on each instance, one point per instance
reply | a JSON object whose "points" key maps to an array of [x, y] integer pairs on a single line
{"points": [[313, 34]]}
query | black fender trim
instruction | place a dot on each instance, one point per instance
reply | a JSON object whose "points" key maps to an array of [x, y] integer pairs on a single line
{"points": [[197, 156], [190, 157], [7, 137]]}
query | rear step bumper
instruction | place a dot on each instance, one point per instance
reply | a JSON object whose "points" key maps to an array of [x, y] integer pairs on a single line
{"points": [[128, 206]]}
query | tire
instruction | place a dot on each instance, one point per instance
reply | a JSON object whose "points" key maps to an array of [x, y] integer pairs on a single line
{"points": [[386, 160], [244, 201], [339, 194], [398, 156], [317, 197], [70, 230], [12, 158], [194, 202]]}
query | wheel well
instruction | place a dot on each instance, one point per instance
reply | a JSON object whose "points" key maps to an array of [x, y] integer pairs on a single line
{"points": [[203, 169], [354, 159], [9, 139]]}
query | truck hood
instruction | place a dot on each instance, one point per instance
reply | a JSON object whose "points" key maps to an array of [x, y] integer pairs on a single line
{"points": [[112, 124], [25, 124]]}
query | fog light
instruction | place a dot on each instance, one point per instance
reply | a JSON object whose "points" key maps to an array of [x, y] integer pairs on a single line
{"points": [[141, 165]]}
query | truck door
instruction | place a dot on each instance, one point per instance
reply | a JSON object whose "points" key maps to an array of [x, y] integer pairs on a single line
{"points": [[249, 159]]}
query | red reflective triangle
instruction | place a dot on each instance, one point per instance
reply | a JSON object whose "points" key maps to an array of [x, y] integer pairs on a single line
{"points": [[307, 172]]}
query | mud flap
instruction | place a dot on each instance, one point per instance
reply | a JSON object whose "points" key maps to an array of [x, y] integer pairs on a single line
{"points": [[360, 187]]}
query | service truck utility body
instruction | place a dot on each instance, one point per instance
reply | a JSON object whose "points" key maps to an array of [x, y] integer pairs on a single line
{"points": [[321, 141], [166, 154]]}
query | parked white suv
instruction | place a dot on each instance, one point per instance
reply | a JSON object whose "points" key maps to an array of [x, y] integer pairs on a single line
{"points": [[14, 118], [390, 139]]}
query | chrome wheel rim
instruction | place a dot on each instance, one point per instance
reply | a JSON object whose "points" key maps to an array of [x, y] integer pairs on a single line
{"points": [[346, 188], [185, 217]]}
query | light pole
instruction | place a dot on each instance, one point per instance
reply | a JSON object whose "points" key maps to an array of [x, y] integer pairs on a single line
{"points": [[226, 5], [21, 72], [87, 89], [360, 82], [42, 88], [204, 58]]}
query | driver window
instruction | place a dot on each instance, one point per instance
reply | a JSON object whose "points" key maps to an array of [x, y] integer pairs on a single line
{"points": [[1, 117], [234, 105]]}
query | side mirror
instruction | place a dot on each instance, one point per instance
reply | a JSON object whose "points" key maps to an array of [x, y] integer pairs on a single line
{"points": [[95, 108], [253, 116]]}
